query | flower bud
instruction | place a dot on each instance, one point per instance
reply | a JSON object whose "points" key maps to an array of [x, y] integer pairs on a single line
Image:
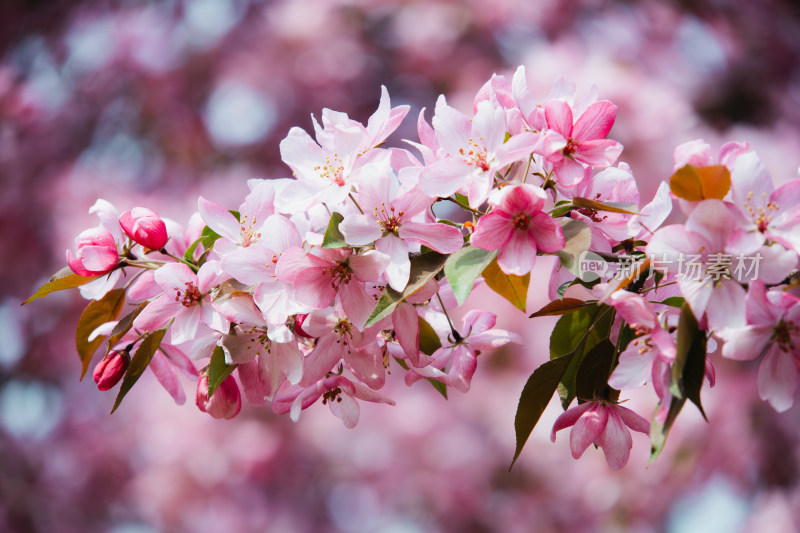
{"points": [[95, 253], [226, 401], [144, 227], [111, 369], [298, 326]]}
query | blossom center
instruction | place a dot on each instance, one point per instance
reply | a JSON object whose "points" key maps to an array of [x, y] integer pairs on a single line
{"points": [[521, 221], [783, 335], [332, 395], [339, 273], [762, 216], [570, 148], [190, 296], [247, 228], [389, 221], [475, 155], [332, 170]]}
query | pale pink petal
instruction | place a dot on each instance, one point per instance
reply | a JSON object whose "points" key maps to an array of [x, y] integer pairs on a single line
{"points": [[174, 276], [180, 360], [745, 343], [588, 429], [185, 325], [775, 263], [493, 231], [367, 365], [406, 326], [453, 129], [559, 117], [600, 153], [156, 314], [616, 441], [166, 376], [368, 266], [444, 177], [254, 384], [595, 122], [519, 254], [313, 287], [726, 308], [356, 303], [777, 379], [489, 125], [347, 410], [219, 219], [569, 418], [326, 354], [569, 172], [632, 419], [633, 369], [478, 321], [440, 237], [360, 230], [546, 232], [462, 368], [399, 270]]}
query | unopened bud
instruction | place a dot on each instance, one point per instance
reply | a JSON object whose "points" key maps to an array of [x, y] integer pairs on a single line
{"points": [[144, 227], [111, 369], [226, 402], [298, 326]]}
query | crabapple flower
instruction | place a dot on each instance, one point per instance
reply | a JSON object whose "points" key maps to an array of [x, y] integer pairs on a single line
{"points": [[226, 402], [477, 149], [144, 227], [455, 364], [582, 142], [518, 227], [338, 392], [111, 369], [602, 424], [772, 330], [390, 221], [185, 300], [95, 253]]}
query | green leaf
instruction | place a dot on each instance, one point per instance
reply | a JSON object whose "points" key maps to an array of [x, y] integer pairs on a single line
{"points": [[423, 268], [591, 379], [536, 394], [333, 238], [218, 370], [96, 313], [689, 368], [673, 301], [561, 307], [611, 207], [429, 341], [463, 268], [512, 288], [208, 237], [139, 362], [63, 279], [659, 432], [462, 199], [124, 325], [578, 237], [188, 255], [440, 387], [577, 333]]}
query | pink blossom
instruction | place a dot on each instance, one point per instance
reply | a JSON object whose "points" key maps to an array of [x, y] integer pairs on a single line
{"points": [[518, 227], [602, 424], [454, 364], [95, 253], [144, 227], [226, 402], [583, 142], [772, 330], [185, 301]]}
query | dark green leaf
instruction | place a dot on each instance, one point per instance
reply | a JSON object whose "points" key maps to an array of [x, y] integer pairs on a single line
{"points": [[591, 379], [561, 307], [512, 288], [139, 362], [577, 333], [689, 368], [333, 238], [673, 301], [124, 325], [96, 313], [463, 268], [536, 394], [429, 341], [423, 268], [189, 254], [578, 239], [63, 279], [218, 370]]}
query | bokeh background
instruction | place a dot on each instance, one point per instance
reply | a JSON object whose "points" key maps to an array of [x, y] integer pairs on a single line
{"points": [[154, 103]]}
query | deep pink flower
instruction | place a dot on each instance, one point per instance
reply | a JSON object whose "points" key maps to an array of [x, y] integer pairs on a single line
{"points": [[518, 227], [226, 402], [111, 369], [584, 143], [144, 227], [605, 425], [95, 253]]}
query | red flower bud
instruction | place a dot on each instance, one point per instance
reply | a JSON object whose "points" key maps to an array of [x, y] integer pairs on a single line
{"points": [[95, 253], [111, 369], [144, 227], [226, 401], [298, 326]]}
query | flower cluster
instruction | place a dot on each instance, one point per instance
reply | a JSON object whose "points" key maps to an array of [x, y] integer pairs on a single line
{"points": [[318, 286]]}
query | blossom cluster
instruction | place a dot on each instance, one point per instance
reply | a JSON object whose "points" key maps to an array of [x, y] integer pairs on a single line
{"points": [[319, 285]]}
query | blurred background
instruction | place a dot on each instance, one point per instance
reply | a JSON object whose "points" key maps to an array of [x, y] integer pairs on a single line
{"points": [[153, 103]]}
